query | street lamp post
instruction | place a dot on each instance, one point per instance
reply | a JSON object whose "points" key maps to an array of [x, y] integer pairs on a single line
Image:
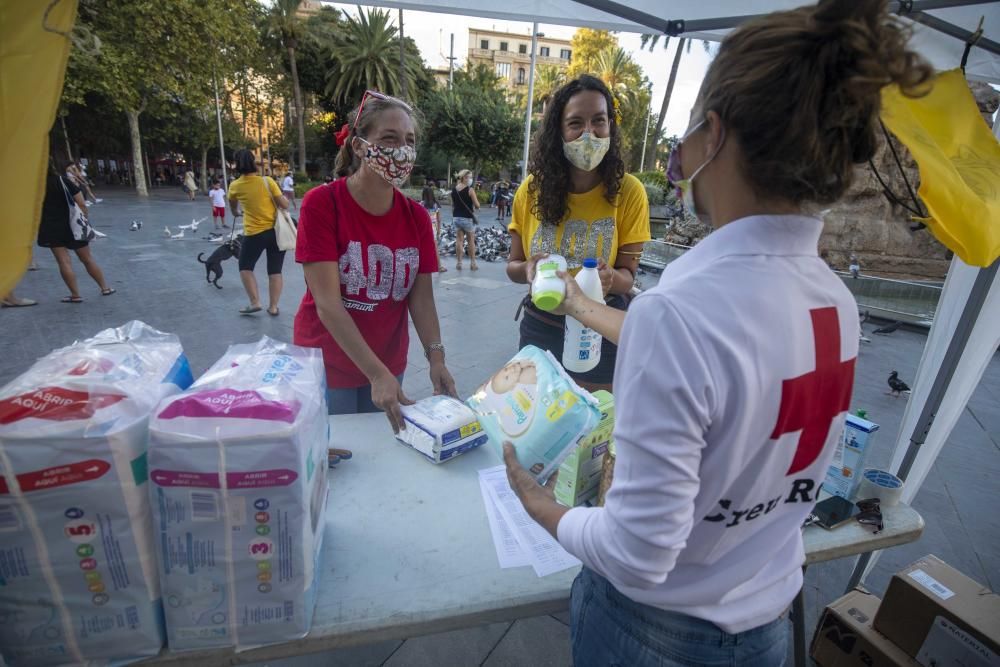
{"points": [[645, 137], [531, 94]]}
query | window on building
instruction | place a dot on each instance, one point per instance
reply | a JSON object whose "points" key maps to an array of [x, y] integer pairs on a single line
{"points": [[522, 48], [544, 51], [484, 44], [564, 54], [520, 75], [503, 70], [503, 46]]}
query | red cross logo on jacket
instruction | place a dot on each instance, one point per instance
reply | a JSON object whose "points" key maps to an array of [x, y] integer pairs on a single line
{"points": [[810, 402]]}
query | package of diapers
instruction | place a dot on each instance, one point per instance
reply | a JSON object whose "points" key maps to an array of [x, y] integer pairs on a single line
{"points": [[535, 405], [237, 466], [78, 580], [441, 428]]}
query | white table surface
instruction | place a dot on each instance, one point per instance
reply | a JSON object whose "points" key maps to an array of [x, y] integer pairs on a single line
{"points": [[408, 551]]}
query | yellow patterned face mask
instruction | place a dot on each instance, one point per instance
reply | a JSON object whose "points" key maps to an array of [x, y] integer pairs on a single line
{"points": [[959, 162]]}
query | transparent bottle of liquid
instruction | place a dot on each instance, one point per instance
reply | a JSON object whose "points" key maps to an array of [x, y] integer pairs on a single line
{"points": [[547, 289], [582, 345]]}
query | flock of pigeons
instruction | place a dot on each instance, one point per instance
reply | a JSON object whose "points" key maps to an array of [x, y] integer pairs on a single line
{"points": [[136, 225]]}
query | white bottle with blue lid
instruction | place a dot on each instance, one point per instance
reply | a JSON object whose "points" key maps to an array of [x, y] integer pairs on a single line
{"points": [[582, 345]]}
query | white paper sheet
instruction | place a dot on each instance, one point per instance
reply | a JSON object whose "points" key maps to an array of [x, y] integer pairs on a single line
{"points": [[509, 553], [544, 553]]}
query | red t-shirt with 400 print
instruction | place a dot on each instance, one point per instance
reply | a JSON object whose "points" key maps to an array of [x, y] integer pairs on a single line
{"points": [[379, 257]]}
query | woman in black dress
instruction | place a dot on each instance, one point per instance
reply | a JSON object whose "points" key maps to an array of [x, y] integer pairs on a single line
{"points": [[54, 233]]}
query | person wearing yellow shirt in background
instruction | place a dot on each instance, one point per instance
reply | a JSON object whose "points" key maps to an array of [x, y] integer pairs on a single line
{"points": [[578, 202], [258, 196]]}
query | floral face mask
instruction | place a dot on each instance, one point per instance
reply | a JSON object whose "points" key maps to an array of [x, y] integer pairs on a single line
{"points": [[586, 151], [392, 164]]}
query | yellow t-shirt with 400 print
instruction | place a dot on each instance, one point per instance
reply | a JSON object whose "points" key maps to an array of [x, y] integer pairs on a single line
{"points": [[592, 227]]}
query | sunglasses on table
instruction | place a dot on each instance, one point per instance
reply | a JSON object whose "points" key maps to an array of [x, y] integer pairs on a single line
{"points": [[378, 96], [870, 514]]}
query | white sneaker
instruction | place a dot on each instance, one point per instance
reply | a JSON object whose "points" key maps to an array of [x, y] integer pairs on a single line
{"points": [[98, 201]]}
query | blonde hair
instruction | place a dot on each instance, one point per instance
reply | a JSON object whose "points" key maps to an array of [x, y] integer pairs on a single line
{"points": [[348, 161], [801, 90], [462, 174]]}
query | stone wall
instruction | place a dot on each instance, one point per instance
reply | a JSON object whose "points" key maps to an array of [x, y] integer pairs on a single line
{"points": [[866, 224]]}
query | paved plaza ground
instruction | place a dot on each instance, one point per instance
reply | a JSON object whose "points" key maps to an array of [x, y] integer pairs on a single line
{"points": [[160, 282]]}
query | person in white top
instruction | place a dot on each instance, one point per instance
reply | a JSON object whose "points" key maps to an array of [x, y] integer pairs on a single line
{"points": [[218, 196], [734, 373], [288, 188]]}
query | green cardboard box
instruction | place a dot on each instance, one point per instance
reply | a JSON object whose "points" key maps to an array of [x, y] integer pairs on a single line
{"points": [[580, 473]]}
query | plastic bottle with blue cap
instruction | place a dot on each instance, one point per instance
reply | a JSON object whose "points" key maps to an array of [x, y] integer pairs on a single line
{"points": [[582, 345]]}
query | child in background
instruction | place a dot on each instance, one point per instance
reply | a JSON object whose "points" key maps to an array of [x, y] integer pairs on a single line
{"points": [[218, 196]]}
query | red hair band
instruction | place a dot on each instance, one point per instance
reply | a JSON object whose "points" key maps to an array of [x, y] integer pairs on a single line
{"points": [[342, 135]]}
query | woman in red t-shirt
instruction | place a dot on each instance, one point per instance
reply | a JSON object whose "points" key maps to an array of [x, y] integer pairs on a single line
{"points": [[368, 253]]}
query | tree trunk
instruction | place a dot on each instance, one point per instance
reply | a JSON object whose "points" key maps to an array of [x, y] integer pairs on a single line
{"points": [[69, 152], [298, 109], [402, 57], [140, 170], [654, 142], [204, 168]]}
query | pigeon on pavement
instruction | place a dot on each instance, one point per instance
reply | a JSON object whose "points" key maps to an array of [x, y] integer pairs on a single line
{"points": [[888, 329], [897, 386]]}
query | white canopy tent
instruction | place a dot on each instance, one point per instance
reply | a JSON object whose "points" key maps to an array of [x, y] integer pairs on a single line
{"points": [[966, 332]]}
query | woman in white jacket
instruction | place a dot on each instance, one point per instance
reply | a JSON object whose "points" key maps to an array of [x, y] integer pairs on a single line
{"points": [[734, 374]]}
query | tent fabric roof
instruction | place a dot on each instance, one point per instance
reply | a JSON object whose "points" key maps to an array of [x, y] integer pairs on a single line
{"points": [[943, 51]]}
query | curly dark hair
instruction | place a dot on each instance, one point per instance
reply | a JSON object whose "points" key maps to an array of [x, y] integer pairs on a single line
{"points": [[549, 168]]}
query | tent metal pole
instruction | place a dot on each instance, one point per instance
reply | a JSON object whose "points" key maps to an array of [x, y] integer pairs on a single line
{"points": [[956, 347], [977, 297], [952, 30], [529, 105]]}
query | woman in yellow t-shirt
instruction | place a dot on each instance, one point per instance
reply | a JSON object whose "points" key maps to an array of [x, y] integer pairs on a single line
{"points": [[258, 195], [578, 201]]}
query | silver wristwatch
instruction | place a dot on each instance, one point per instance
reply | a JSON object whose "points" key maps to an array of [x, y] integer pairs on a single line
{"points": [[432, 348]]}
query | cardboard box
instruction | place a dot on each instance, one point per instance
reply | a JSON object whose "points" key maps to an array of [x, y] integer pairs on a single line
{"points": [[849, 459], [580, 472], [845, 636], [940, 616]]}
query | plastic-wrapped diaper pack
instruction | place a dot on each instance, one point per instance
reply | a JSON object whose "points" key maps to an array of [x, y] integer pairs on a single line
{"points": [[532, 403], [441, 428], [78, 580], [238, 470]]}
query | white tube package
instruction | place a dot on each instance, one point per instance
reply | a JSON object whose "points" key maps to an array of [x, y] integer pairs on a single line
{"points": [[78, 579], [535, 405], [238, 469]]}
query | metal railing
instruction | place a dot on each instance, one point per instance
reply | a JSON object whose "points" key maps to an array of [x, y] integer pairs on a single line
{"points": [[905, 300]]}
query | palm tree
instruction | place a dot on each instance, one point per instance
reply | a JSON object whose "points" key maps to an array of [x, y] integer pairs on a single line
{"points": [[285, 24], [548, 79], [615, 67], [361, 57]]}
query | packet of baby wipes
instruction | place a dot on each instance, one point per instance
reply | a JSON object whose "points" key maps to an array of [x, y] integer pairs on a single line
{"points": [[238, 470], [78, 580], [534, 404], [441, 428]]}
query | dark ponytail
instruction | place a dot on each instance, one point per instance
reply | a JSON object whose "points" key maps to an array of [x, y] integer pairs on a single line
{"points": [[246, 163]]}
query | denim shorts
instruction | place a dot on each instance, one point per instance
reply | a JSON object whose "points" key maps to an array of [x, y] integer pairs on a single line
{"points": [[353, 400], [465, 224], [608, 628]]}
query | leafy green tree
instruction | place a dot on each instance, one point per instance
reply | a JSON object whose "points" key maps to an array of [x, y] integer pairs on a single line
{"points": [[363, 56], [286, 25], [150, 51], [548, 79], [586, 45]]}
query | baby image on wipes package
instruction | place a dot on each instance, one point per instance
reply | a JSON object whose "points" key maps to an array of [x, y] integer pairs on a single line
{"points": [[532, 403]]}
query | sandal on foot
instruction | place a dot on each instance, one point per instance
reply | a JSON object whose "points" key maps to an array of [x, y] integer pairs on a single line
{"points": [[273, 313], [474, 267], [72, 299], [250, 310], [108, 292], [17, 303], [459, 266]]}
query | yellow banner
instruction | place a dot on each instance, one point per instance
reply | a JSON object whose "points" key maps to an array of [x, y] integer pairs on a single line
{"points": [[959, 161], [34, 47]]}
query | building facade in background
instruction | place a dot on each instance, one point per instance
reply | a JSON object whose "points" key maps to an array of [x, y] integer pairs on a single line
{"points": [[509, 55]]}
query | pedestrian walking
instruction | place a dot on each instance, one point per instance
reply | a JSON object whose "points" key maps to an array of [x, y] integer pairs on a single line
{"points": [[259, 197], [218, 196], [288, 188], [190, 187], [367, 251], [55, 233], [464, 204], [697, 553]]}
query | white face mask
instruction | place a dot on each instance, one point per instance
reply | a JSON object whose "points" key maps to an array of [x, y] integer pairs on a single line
{"points": [[468, 180], [686, 186], [586, 151]]}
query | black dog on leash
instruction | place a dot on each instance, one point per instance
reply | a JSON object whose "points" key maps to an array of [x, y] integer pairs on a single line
{"points": [[214, 262]]}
